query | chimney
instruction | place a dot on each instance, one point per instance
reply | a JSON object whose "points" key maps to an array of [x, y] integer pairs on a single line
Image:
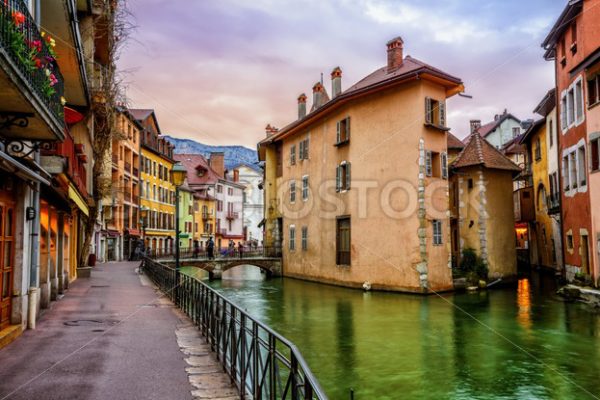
{"points": [[394, 54], [302, 106], [270, 130], [336, 82], [317, 95], [475, 125], [217, 163], [236, 175]]}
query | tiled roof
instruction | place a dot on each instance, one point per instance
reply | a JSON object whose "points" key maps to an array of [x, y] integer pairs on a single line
{"points": [[479, 151], [140, 114], [488, 128], [454, 142], [376, 79], [193, 163]]}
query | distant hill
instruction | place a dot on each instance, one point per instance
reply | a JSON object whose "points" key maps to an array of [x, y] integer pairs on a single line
{"points": [[233, 154]]}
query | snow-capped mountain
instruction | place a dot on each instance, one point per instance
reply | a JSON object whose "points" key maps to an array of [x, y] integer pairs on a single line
{"points": [[233, 154]]}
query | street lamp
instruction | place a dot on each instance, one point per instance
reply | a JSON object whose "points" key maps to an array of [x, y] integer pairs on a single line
{"points": [[178, 174]]}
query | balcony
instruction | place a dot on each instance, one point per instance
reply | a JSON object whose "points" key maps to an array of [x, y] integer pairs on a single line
{"points": [[31, 84], [206, 215], [232, 215]]}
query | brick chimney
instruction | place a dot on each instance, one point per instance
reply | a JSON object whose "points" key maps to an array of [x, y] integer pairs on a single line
{"points": [[302, 106], [394, 54], [270, 130], [217, 163], [318, 90], [336, 82], [236, 175], [475, 125]]}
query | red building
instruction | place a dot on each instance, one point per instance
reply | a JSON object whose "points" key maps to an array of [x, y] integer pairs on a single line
{"points": [[574, 45]]}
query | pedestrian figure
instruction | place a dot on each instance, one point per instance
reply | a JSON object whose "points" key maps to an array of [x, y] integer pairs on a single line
{"points": [[196, 249], [231, 248], [240, 249], [210, 248]]}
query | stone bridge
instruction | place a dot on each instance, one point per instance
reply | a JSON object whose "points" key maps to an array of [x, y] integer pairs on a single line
{"points": [[216, 267]]}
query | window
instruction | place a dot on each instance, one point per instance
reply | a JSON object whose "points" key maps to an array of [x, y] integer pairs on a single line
{"points": [[571, 106], [579, 101], [570, 241], [342, 181], [551, 132], [595, 154], [435, 112], [219, 205], [305, 188], [593, 90], [573, 38], [563, 113], [292, 237], [343, 241], [292, 191], [470, 183], [538, 150], [433, 164], [230, 191], [304, 238], [516, 131], [343, 131], [563, 52], [303, 150], [581, 167], [219, 189], [573, 169], [293, 154], [437, 232]]}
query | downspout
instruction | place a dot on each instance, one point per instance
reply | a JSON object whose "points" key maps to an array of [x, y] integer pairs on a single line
{"points": [[34, 252], [38, 13]]}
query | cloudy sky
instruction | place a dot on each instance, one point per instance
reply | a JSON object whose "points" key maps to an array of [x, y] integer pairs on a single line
{"points": [[218, 71]]}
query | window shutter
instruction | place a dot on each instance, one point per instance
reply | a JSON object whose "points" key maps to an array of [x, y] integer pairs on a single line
{"points": [[428, 163], [301, 150], [347, 176], [339, 137], [444, 162], [347, 128], [428, 115], [338, 178], [307, 141], [442, 111], [293, 154]]}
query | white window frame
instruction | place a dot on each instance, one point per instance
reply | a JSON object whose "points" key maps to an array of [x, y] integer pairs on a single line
{"points": [[437, 232], [572, 109], [292, 192], [304, 238], [292, 241], [428, 163], [444, 164], [574, 168]]}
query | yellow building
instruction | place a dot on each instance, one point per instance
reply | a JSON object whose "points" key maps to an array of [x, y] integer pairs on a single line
{"points": [[204, 219], [542, 242], [157, 193], [482, 206], [384, 225]]}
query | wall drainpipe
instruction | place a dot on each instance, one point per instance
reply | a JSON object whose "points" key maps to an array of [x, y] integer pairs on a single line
{"points": [[34, 253]]}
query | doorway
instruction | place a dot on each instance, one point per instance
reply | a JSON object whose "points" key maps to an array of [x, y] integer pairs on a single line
{"points": [[7, 255]]}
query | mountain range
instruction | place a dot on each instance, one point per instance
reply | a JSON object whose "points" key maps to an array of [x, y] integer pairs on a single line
{"points": [[234, 155]]}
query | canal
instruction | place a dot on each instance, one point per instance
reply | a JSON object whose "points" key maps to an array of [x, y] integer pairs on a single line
{"points": [[513, 343]]}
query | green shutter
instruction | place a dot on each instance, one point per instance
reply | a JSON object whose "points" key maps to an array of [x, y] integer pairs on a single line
{"points": [[347, 176], [307, 141], [301, 150], [428, 115], [338, 137], [347, 128], [338, 178], [442, 111]]}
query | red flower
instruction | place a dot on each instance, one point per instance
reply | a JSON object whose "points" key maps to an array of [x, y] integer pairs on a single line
{"points": [[37, 44], [38, 63], [18, 18]]}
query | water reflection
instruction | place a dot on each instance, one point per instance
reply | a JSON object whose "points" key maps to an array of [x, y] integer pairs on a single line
{"points": [[390, 346]]}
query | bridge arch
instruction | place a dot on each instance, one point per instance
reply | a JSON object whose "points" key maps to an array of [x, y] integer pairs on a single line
{"points": [[215, 268]]}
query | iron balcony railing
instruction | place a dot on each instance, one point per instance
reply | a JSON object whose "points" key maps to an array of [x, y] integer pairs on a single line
{"points": [[201, 253], [32, 55], [262, 363]]}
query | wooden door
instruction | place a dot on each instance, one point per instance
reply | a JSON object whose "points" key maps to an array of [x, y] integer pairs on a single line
{"points": [[7, 256]]}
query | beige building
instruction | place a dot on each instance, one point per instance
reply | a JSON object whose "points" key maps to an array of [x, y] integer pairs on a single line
{"points": [[482, 212], [356, 190]]}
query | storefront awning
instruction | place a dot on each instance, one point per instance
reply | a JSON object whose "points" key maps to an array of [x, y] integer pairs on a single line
{"points": [[77, 199], [20, 170]]}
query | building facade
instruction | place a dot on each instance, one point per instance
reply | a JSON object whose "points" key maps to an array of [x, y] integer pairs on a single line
{"points": [[346, 209], [157, 192], [250, 176], [573, 44]]}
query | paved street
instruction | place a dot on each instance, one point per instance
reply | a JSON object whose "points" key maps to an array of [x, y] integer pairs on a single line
{"points": [[110, 336]]}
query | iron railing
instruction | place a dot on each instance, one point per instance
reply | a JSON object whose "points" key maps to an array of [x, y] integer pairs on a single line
{"points": [[260, 362], [32, 55]]}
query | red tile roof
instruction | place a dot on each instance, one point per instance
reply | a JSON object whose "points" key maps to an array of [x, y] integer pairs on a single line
{"points": [[479, 151], [379, 78], [485, 130], [454, 142], [193, 163]]}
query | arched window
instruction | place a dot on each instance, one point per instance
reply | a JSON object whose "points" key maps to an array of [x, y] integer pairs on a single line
{"points": [[541, 198]]}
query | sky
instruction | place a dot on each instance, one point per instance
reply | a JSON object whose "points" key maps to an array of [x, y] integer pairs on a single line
{"points": [[219, 71]]}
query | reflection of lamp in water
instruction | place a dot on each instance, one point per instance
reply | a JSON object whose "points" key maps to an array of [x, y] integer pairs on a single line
{"points": [[524, 303]]}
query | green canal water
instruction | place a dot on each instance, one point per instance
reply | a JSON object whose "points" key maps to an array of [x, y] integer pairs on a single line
{"points": [[513, 343]]}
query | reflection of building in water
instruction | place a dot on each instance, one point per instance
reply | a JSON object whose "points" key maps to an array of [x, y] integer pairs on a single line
{"points": [[524, 303]]}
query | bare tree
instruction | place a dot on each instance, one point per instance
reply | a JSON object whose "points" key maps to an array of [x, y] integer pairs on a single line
{"points": [[112, 27]]}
